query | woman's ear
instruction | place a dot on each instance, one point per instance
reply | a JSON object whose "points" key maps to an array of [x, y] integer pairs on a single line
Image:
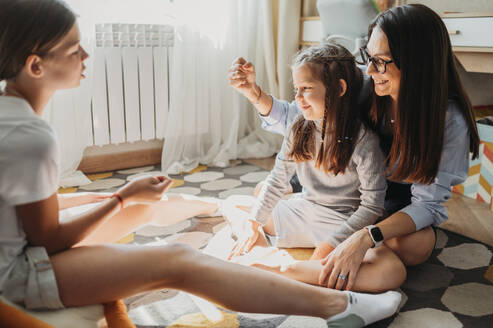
{"points": [[343, 85], [33, 66]]}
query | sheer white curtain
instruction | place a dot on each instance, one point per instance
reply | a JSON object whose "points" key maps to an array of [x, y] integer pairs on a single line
{"points": [[208, 121]]}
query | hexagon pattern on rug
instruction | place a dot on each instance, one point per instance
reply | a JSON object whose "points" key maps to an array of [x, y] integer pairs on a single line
{"points": [[177, 183], [254, 177], [489, 274], [137, 170], [295, 321], [427, 276], [153, 230], [240, 169], [184, 190], [144, 174], [426, 318], [221, 184], [67, 190], [471, 299], [467, 261], [199, 320], [204, 176], [126, 240], [237, 191], [404, 299], [195, 239], [466, 256], [99, 176], [442, 239], [103, 184], [199, 168]]}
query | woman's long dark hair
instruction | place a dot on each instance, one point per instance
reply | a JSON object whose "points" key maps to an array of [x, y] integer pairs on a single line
{"points": [[341, 122], [30, 27], [421, 49]]}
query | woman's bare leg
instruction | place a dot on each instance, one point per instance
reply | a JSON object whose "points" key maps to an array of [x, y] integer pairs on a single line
{"points": [[380, 271], [165, 212], [414, 248], [98, 274]]}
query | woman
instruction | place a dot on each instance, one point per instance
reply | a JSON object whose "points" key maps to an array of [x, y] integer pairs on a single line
{"points": [[41, 266], [426, 125]]}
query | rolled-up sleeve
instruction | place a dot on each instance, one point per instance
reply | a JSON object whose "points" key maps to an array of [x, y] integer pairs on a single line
{"points": [[427, 202], [281, 116]]}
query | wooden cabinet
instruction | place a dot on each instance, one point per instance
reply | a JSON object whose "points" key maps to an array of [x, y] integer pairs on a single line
{"points": [[471, 35]]}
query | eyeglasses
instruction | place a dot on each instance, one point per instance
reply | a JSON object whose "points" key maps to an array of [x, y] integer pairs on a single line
{"points": [[379, 63]]}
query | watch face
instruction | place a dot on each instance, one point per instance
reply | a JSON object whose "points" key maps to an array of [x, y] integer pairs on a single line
{"points": [[376, 234]]}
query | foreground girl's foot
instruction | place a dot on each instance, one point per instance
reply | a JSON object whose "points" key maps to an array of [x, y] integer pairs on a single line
{"points": [[365, 309]]}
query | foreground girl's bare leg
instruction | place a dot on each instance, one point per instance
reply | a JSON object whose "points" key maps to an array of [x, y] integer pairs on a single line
{"points": [[166, 212], [97, 274]]}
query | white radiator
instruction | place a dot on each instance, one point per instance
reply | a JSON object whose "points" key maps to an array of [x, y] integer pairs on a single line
{"points": [[130, 94]]}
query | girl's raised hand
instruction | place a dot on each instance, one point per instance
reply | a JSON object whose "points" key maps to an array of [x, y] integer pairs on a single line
{"points": [[241, 76], [341, 266], [145, 190]]}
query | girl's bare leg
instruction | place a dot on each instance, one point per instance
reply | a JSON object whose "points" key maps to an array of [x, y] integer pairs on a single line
{"points": [[380, 271], [165, 212], [98, 274]]}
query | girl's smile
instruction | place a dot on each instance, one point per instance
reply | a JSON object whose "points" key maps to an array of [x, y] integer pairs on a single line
{"points": [[310, 92]]}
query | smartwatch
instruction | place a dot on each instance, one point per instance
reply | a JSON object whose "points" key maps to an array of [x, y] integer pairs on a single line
{"points": [[375, 235]]}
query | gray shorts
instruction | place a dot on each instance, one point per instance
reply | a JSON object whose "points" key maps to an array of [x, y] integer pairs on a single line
{"points": [[32, 282], [302, 223]]}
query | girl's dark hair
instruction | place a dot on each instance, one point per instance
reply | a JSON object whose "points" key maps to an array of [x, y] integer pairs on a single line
{"points": [[30, 27], [341, 122], [421, 49]]}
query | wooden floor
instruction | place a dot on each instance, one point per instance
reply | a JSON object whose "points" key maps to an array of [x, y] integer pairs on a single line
{"points": [[467, 216]]}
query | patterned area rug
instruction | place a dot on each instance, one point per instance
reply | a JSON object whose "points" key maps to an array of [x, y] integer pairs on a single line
{"points": [[453, 289]]}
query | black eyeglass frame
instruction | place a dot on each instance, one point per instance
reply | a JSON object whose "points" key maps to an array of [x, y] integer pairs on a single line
{"points": [[365, 55]]}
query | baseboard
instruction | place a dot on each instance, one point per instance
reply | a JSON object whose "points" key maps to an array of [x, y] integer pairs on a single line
{"points": [[122, 156]]}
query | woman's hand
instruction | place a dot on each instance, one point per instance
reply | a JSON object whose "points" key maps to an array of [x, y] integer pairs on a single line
{"points": [[66, 201], [322, 251], [145, 190], [253, 235], [341, 266], [241, 76]]}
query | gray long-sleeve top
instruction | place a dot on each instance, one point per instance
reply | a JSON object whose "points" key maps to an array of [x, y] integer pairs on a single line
{"points": [[427, 202], [358, 194]]}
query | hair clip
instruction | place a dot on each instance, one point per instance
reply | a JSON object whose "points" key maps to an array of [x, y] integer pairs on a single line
{"points": [[345, 139]]}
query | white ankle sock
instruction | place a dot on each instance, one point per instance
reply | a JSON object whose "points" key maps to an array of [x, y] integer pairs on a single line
{"points": [[364, 309]]}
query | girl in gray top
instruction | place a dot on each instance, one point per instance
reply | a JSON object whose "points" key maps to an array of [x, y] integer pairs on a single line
{"points": [[338, 161]]}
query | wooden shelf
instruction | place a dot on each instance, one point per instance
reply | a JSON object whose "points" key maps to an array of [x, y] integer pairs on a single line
{"points": [[464, 15]]}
